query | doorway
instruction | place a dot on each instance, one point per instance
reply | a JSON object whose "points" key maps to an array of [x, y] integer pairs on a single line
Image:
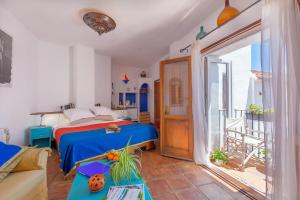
{"points": [[157, 104], [144, 116], [234, 112], [176, 108]]}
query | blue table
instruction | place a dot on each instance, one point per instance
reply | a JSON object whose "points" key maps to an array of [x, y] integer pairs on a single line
{"points": [[80, 190]]}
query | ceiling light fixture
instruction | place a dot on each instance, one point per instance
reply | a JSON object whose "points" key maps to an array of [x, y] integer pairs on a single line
{"points": [[99, 22]]}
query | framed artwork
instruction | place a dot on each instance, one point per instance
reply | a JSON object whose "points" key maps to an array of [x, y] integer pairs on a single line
{"points": [[5, 59]]}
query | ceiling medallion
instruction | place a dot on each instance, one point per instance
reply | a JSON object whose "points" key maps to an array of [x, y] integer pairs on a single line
{"points": [[99, 22]]}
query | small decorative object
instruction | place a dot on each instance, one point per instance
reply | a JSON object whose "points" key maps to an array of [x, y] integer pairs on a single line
{"points": [[99, 22], [67, 106], [113, 155], [143, 74], [5, 58], [113, 128], [125, 79], [125, 166], [219, 156], [4, 135], [201, 34], [227, 13], [96, 183]]}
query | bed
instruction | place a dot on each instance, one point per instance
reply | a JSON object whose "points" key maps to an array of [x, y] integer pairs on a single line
{"points": [[89, 141]]}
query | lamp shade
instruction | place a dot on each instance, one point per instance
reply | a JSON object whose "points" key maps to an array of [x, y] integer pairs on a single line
{"points": [[227, 13]]}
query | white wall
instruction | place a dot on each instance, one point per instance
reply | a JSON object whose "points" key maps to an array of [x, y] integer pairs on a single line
{"points": [[209, 23], [133, 73], [154, 73], [103, 80], [18, 101], [251, 15], [245, 87], [53, 76], [45, 76], [83, 66]]}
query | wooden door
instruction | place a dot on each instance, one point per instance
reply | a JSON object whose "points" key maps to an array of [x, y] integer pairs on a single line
{"points": [[176, 108], [157, 104]]}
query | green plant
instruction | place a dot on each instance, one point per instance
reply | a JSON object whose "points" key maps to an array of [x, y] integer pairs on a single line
{"points": [[126, 166], [218, 154], [264, 152], [255, 109]]}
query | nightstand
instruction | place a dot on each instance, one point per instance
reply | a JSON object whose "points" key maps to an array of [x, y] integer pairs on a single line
{"points": [[40, 136]]}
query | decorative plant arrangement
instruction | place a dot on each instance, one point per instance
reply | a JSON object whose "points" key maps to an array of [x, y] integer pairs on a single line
{"points": [[125, 166], [219, 156], [255, 109]]}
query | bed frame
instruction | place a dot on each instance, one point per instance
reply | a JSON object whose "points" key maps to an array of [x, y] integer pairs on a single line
{"points": [[148, 145]]}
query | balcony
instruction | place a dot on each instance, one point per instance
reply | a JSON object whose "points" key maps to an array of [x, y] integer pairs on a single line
{"points": [[246, 163]]}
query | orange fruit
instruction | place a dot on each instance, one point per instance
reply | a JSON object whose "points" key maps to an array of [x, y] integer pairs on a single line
{"points": [[116, 158], [110, 156]]}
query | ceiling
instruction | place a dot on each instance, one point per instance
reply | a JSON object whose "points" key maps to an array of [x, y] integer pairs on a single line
{"points": [[145, 28]]}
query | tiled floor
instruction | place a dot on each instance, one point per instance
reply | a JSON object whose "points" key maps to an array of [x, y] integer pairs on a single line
{"points": [[167, 178], [253, 174]]}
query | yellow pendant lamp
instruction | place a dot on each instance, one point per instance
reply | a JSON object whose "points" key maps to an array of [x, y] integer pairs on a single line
{"points": [[227, 14]]}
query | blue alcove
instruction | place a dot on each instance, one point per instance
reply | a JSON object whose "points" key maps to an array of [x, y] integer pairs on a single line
{"points": [[144, 97]]}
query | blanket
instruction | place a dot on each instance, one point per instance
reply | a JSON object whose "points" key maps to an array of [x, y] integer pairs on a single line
{"points": [[75, 147], [61, 131]]}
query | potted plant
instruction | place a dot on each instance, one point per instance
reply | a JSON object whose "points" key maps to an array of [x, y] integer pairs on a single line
{"points": [[219, 156], [266, 156], [126, 166], [256, 112]]}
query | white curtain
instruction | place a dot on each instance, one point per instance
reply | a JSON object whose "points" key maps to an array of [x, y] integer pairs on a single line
{"points": [[281, 93], [200, 123]]}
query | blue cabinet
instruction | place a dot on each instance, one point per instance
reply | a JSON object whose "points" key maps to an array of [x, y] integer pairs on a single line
{"points": [[40, 136]]}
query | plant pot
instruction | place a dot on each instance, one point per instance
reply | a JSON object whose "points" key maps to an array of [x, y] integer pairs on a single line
{"points": [[258, 117], [252, 116], [219, 162]]}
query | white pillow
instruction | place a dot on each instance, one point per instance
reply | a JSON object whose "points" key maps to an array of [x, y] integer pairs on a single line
{"points": [[102, 110], [78, 113], [55, 120]]}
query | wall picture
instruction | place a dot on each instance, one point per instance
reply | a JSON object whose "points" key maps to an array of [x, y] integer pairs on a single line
{"points": [[5, 58]]}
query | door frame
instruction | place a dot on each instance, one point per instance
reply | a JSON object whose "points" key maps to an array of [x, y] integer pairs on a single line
{"points": [[190, 110], [239, 34], [157, 81]]}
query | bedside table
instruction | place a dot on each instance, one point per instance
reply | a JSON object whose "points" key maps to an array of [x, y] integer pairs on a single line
{"points": [[40, 136]]}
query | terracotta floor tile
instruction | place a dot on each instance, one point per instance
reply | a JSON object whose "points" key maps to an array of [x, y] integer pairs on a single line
{"points": [[231, 190], [167, 179], [189, 167], [179, 182], [165, 196], [191, 194], [213, 191], [199, 178], [158, 187], [166, 171]]}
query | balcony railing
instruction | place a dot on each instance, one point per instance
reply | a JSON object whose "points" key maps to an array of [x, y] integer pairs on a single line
{"points": [[255, 126]]}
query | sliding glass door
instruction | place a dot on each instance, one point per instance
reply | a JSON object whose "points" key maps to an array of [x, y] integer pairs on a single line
{"points": [[218, 99], [234, 111]]}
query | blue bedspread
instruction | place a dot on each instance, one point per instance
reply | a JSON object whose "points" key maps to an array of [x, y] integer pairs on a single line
{"points": [[74, 147]]}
